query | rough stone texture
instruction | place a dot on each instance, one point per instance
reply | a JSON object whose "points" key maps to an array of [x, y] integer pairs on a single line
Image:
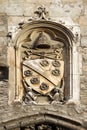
{"points": [[84, 41], [13, 12], [84, 31], [82, 21], [3, 95]]}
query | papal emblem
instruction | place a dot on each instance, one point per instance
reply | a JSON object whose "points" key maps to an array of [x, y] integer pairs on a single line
{"points": [[43, 76]]}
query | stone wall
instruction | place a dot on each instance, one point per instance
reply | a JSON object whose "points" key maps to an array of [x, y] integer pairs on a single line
{"points": [[12, 12]]}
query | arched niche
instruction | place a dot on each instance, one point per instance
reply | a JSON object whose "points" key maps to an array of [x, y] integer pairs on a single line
{"points": [[56, 36]]}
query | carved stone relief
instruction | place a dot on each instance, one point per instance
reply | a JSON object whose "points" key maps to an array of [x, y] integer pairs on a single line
{"points": [[45, 127], [43, 70], [43, 60]]}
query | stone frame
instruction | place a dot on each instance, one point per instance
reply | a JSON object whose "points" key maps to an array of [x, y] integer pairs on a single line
{"points": [[72, 92]]}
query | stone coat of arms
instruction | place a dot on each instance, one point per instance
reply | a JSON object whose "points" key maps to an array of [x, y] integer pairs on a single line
{"points": [[42, 74]]}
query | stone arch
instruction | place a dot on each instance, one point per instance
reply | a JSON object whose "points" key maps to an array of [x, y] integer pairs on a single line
{"points": [[71, 66], [50, 119]]}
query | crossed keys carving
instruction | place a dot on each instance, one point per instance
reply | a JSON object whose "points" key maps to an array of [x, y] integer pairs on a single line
{"points": [[57, 53], [43, 75]]}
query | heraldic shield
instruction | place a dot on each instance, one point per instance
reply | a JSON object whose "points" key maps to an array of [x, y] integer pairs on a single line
{"points": [[43, 70], [42, 76]]}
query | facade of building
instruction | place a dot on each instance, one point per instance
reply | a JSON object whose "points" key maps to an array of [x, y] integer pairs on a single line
{"points": [[43, 65]]}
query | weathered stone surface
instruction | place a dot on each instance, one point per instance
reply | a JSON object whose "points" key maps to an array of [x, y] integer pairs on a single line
{"points": [[69, 1], [83, 21], [3, 60], [3, 41], [84, 41], [73, 10], [28, 10], [13, 9], [3, 31], [17, 11], [3, 55], [83, 91], [83, 30], [85, 69], [3, 49], [16, 1], [3, 95], [14, 21], [3, 25]]}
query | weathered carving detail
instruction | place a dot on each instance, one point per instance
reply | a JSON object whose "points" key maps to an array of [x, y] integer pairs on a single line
{"points": [[29, 97], [45, 127], [43, 70], [31, 127], [42, 13]]}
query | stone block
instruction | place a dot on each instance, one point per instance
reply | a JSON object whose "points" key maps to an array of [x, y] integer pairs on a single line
{"points": [[39, 2], [69, 1], [3, 60], [15, 9], [3, 30], [56, 11], [84, 98], [85, 123], [85, 12], [83, 51], [84, 41], [84, 31], [83, 81], [2, 128], [3, 25], [3, 1], [3, 93], [3, 49], [84, 69], [3, 19], [85, 1], [2, 42], [16, 1], [29, 10], [14, 21], [82, 86], [83, 21], [3, 4]]}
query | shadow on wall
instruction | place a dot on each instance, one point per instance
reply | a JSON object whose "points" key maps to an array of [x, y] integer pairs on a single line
{"points": [[3, 73]]}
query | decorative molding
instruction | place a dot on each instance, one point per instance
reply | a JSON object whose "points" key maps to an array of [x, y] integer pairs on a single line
{"points": [[42, 13]]}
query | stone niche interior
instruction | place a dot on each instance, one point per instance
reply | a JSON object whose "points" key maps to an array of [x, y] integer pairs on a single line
{"points": [[45, 126], [43, 69]]}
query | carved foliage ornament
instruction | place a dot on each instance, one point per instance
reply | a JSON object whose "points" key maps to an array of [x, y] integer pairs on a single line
{"points": [[42, 13], [43, 71]]}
